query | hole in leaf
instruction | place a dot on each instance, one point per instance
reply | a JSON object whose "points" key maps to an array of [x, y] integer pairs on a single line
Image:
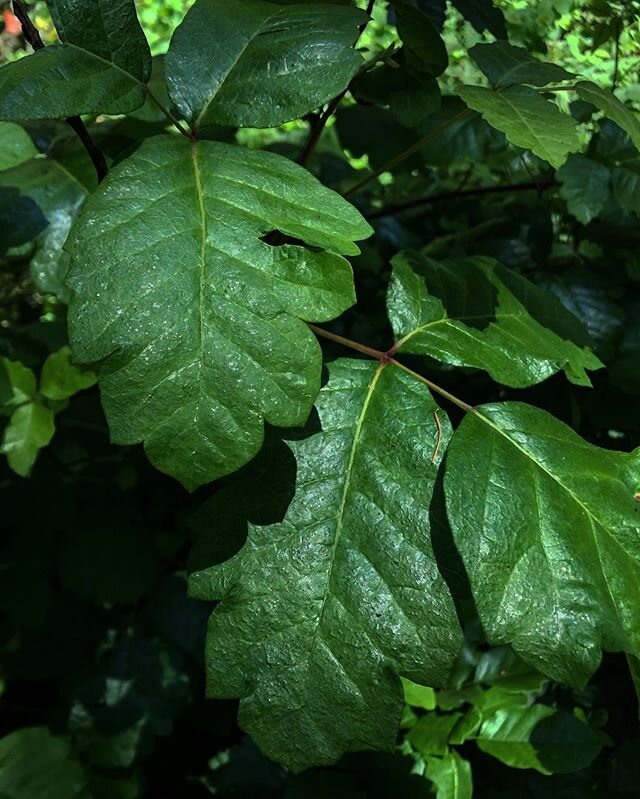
{"points": [[276, 238]]}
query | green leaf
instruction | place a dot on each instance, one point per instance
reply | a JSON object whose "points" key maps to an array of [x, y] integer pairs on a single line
{"points": [[539, 737], [547, 526], [20, 219], [192, 321], [526, 119], [60, 379], [59, 196], [430, 735], [100, 67], [626, 189], [609, 104], [37, 765], [426, 51], [15, 145], [320, 612], [30, 428], [586, 186], [418, 695], [475, 312], [506, 65], [22, 382], [266, 64], [451, 775], [483, 15]]}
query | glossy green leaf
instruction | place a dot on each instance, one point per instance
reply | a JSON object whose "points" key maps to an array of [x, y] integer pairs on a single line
{"points": [[506, 65], [548, 527], [100, 67], [451, 776], [426, 51], [550, 741], [34, 764], [192, 321], [59, 196], [586, 186], [527, 120], [322, 611], [430, 735], [60, 379], [30, 428], [475, 312], [266, 64], [613, 108], [15, 145]]}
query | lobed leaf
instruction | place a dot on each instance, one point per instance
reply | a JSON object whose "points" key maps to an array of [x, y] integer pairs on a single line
{"points": [[526, 119], [475, 312], [193, 321], [326, 608], [266, 64], [548, 527]]}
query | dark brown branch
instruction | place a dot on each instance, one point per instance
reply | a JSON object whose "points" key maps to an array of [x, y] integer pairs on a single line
{"points": [[32, 36], [323, 118], [529, 185]]}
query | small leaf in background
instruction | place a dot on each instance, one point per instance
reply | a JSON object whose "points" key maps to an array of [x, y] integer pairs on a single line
{"points": [[418, 695], [15, 145], [21, 380], [60, 379], [539, 737], [21, 220], [451, 776], [578, 551], [101, 65], [30, 428], [483, 16], [626, 189], [34, 764], [613, 108], [277, 63], [430, 735], [527, 120], [586, 186], [344, 593], [193, 320], [475, 312], [506, 65]]}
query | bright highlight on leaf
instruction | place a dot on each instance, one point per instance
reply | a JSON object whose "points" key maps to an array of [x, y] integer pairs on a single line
{"points": [[192, 321], [325, 609]]}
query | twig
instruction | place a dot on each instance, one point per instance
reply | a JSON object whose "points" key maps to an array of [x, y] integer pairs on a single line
{"points": [[430, 199], [325, 116], [439, 438], [33, 38], [397, 159], [616, 54]]}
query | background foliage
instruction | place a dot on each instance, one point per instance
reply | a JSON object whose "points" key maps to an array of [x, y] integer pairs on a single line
{"points": [[102, 676]]}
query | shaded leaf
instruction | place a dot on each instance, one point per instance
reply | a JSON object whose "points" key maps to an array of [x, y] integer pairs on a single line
{"points": [[192, 321], [475, 312], [15, 145], [101, 65], [277, 63], [550, 741], [344, 594], [21, 220], [506, 65], [626, 189], [430, 735], [60, 379], [547, 526], [34, 764], [483, 15], [426, 51], [613, 108], [586, 186], [527, 120]]}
